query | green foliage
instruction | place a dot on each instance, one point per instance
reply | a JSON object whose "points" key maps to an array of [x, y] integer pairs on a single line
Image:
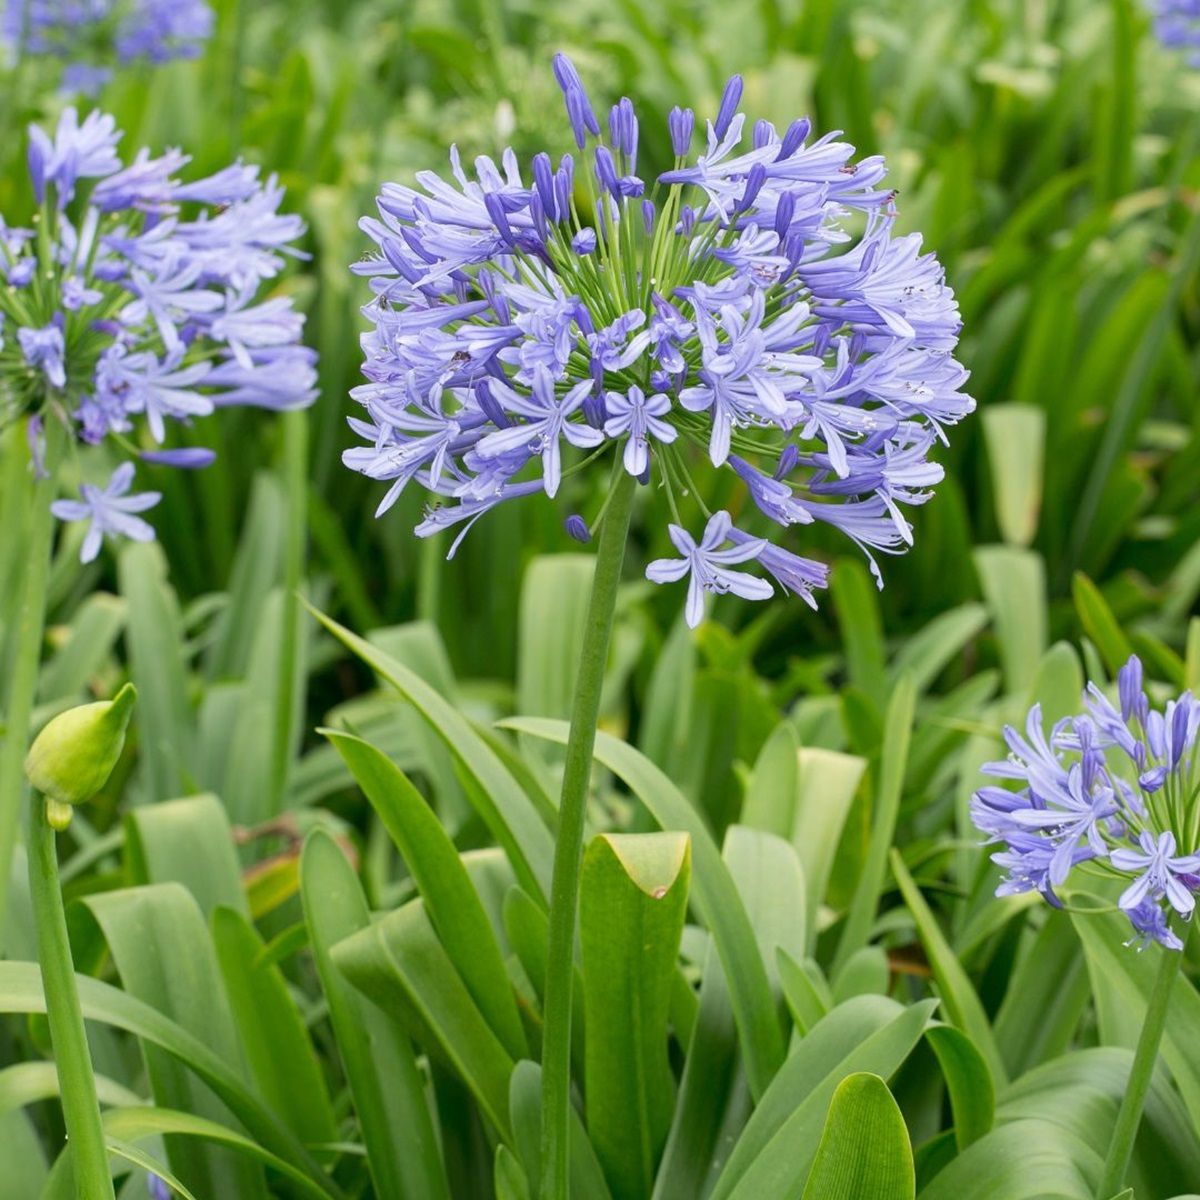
{"points": [[308, 909]]}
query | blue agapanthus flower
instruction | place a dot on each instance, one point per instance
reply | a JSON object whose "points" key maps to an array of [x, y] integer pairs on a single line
{"points": [[132, 301], [89, 36], [1116, 788], [753, 307], [1177, 26]]}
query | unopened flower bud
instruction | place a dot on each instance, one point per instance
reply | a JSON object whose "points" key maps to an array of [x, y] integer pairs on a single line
{"points": [[72, 758]]}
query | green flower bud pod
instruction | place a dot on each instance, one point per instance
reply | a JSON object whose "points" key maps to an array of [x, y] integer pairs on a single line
{"points": [[73, 756]]}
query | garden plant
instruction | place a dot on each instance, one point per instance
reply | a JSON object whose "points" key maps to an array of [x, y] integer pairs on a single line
{"points": [[599, 603]]}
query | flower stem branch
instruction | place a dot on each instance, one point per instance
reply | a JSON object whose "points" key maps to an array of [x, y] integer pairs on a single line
{"points": [[1133, 1101], [568, 853], [77, 1084], [25, 626]]}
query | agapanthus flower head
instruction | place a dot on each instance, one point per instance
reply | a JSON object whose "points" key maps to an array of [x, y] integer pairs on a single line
{"points": [[751, 310], [133, 303], [1177, 26], [91, 36], [1115, 787]]}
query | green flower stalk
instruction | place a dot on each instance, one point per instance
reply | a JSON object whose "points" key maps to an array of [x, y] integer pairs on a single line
{"points": [[70, 761]]}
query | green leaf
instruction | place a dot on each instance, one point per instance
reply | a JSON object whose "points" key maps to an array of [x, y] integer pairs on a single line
{"points": [[189, 842], [510, 1180], [451, 901], [385, 1083], [864, 1150], [272, 1031], [856, 602], [713, 891], [805, 990], [499, 799], [957, 994], [968, 1080], [633, 900], [867, 972], [1121, 983], [162, 950], [1023, 1160], [525, 1103], [779, 1143], [1099, 623], [399, 964], [1014, 586], [894, 757], [153, 638], [932, 648], [95, 628], [1016, 436], [21, 992], [554, 600]]}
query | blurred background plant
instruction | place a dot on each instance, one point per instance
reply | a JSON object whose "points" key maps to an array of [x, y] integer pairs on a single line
{"points": [[1049, 150]]}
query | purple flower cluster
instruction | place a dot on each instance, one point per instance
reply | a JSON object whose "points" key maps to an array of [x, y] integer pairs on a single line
{"points": [[1177, 26], [90, 34], [754, 306], [1116, 789], [134, 301]]}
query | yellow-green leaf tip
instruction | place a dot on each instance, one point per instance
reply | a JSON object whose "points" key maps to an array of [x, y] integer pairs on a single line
{"points": [[73, 756]]}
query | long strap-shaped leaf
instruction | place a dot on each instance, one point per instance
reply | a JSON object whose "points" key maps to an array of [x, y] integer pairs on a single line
{"points": [[21, 992], [714, 892], [500, 800]]}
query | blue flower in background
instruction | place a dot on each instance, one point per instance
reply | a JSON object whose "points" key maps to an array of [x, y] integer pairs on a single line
{"points": [[92, 35], [1116, 787], [751, 310], [110, 510], [138, 305], [1177, 26]]}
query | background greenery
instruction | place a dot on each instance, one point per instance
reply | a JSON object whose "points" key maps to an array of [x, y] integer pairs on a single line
{"points": [[1048, 150]]}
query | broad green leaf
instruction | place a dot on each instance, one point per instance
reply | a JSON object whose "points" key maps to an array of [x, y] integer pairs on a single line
{"points": [[525, 1103], [21, 1151], [187, 841], [153, 639], [866, 973], [962, 1004], [714, 1100], [21, 992], [500, 801], [805, 990], [94, 630], [256, 571], [272, 1031], [1016, 436], [1047, 995], [1081, 1092], [1023, 1160], [968, 1081], [930, 650], [399, 964], [713, 891], [1014, 587], [164, 955], [451, 902], [554, 600], [779, 1143], [385, 1082], [1121, 982], [1099, 623], [632, 904], [864, 1150], [856, 602], [894, 757], [510, 1181]]}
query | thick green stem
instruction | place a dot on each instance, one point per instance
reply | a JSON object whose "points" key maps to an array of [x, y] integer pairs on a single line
{"points": [[26, 626], [568, 852], [1145, 1056], [77, 1084]]}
